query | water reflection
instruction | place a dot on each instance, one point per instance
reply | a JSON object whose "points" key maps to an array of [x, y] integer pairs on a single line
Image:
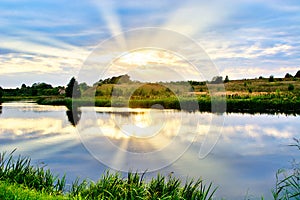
{"points": [[74, 115], [248, 153]]}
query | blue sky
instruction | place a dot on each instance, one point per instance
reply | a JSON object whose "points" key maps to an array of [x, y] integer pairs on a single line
{"points": [[49, 40]]}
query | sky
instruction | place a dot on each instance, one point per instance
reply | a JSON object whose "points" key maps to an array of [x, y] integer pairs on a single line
{"points": [[51, 40]]}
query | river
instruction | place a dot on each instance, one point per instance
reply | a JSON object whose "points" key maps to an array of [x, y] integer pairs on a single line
{"points": [[239, 153]]}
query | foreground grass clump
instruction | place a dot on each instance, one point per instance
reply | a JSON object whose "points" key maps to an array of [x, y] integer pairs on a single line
{"points": [[20, 180], [288, 181], [13, 191], [20, 171], [113, 186]]}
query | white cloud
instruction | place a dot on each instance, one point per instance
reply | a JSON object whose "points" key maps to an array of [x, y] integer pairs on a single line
{"points": [[22, 63], [195, 17]]}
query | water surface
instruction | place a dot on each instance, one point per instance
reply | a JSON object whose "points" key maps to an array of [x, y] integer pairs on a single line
{"points": [[242, 160]]}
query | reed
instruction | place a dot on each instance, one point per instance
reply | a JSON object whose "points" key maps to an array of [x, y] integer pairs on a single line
{"points": [[17, 175]]}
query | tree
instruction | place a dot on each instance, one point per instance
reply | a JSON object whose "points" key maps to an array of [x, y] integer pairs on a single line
{"points": [[217, 79], [297, 74], [271, 78], [23, 86], [288, 75], [41, 86], [83, 86], [1, 93], [73, 89], [226, 79]]}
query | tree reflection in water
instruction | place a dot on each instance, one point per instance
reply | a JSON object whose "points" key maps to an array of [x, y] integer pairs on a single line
{"points": [[74, 115]]}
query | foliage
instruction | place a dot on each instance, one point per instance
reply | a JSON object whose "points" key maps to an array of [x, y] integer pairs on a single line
{"points": [[1, 93], [37, 89], [115, 80], [13, 191], [288, 75], [271, 78], [73, 90], [288, 182], [113, 186], [291, 87], [20, 171], [83, 86], [297, 75], [217, 79], [226, 79]]}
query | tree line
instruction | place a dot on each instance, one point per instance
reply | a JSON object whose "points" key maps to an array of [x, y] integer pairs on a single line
{"points": [[74, 89], [45, 89]]}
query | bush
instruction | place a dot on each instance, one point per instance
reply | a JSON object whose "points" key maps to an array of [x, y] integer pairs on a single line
{"points": [[271, 78], [291, 87]]}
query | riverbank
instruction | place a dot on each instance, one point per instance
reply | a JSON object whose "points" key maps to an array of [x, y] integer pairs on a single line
{"points": [[252, 105], [240, 96]]}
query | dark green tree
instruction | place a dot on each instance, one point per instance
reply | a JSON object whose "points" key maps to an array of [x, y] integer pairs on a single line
{"points": [[217, 79], [83, 86], [297, 75], [226, 79], [271, 78], [288, 75], [73, 89], [1, 93]]}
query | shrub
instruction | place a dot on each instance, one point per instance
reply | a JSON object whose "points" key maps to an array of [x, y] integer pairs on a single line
{"points": [[291, 87]]}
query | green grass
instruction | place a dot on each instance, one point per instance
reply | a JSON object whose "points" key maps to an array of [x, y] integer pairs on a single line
{"points": [[18, 98], [243, 104], [288, 181], [20, 180], [20, 171], [14, 191]]}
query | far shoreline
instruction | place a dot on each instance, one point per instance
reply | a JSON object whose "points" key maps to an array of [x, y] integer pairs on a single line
{"points": [[256, 105]]}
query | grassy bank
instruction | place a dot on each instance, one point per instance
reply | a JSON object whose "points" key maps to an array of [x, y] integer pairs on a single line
{"points": [[20, 180], [14, 191], [18, 98], [256, 104]]}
